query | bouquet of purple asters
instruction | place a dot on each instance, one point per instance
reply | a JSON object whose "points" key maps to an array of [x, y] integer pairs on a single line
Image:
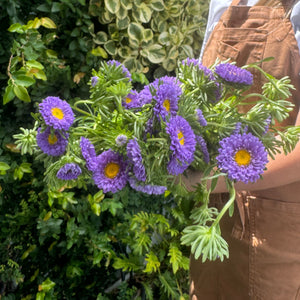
{"points": [[147, 137]]}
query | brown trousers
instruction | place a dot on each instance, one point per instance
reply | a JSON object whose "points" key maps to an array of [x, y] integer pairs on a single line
{"points": [[264, 233]]}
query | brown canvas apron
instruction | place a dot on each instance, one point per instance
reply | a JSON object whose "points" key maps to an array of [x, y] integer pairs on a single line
{"points": [[264, 233]]}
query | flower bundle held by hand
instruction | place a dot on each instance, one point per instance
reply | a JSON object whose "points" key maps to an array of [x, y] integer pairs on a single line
{"points": [[146, 137]]}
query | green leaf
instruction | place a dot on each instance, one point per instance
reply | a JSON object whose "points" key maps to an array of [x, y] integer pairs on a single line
{"points": [[112, 5], [123, 23], [164, 38], [148, 35], [153, 263], [44, 8], [48, 23], [4, 166], [56, 6], [34, 64], [101, 37], [9, 94], [155, 53], [99, 51], [24, 80], [47, 285], [21, 93], [157, 5], [110, 47], [135, 32], [16, 28], [143, 13], [51, 53]]}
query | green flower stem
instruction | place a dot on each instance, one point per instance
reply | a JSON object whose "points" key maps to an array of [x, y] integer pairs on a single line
{"points": [[75, 106], [156, 140], [226, 207]]}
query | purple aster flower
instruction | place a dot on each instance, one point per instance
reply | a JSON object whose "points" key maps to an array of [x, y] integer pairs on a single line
{"points": [[147, 188], [243, 157], [176, 167], [111, 174], [132, 100], [195, 62], [202, 143], [135, 157], [94, 80], [121, 140], [124, 69], [182, 137], [167, 96], [54, 143], [88, 153], [56, 113], [233, 74], [145, 96], [68, 172], [200, 117]]}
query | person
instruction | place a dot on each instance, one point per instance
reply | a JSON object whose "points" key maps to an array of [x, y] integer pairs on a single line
{"points": [[264, 233]]}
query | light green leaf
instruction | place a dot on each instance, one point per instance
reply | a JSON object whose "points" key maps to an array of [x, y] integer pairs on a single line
{"points": [[99, 51], [112, 5], [164, 38], [135, 32], [155, 53], [16, 28], [153, 263], [47, 285], [4, 166], [148, 35], [143, 13], [123, 23], [21, 93]]}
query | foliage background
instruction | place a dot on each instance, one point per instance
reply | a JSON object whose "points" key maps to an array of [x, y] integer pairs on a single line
{"points": [[80, 244]]}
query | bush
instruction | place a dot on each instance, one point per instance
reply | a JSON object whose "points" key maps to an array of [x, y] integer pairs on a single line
{"points": [[80, 244]]}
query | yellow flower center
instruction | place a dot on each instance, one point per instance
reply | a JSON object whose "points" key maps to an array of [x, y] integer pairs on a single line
{"points": [[57, 113], [128, 100], [166, 105], [242, 157], [111, 170], [52, 139], [180, 138]]}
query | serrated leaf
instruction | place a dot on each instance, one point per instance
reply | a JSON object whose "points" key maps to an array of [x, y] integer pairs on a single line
{"points": [[153, 263], [21, 93]]}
